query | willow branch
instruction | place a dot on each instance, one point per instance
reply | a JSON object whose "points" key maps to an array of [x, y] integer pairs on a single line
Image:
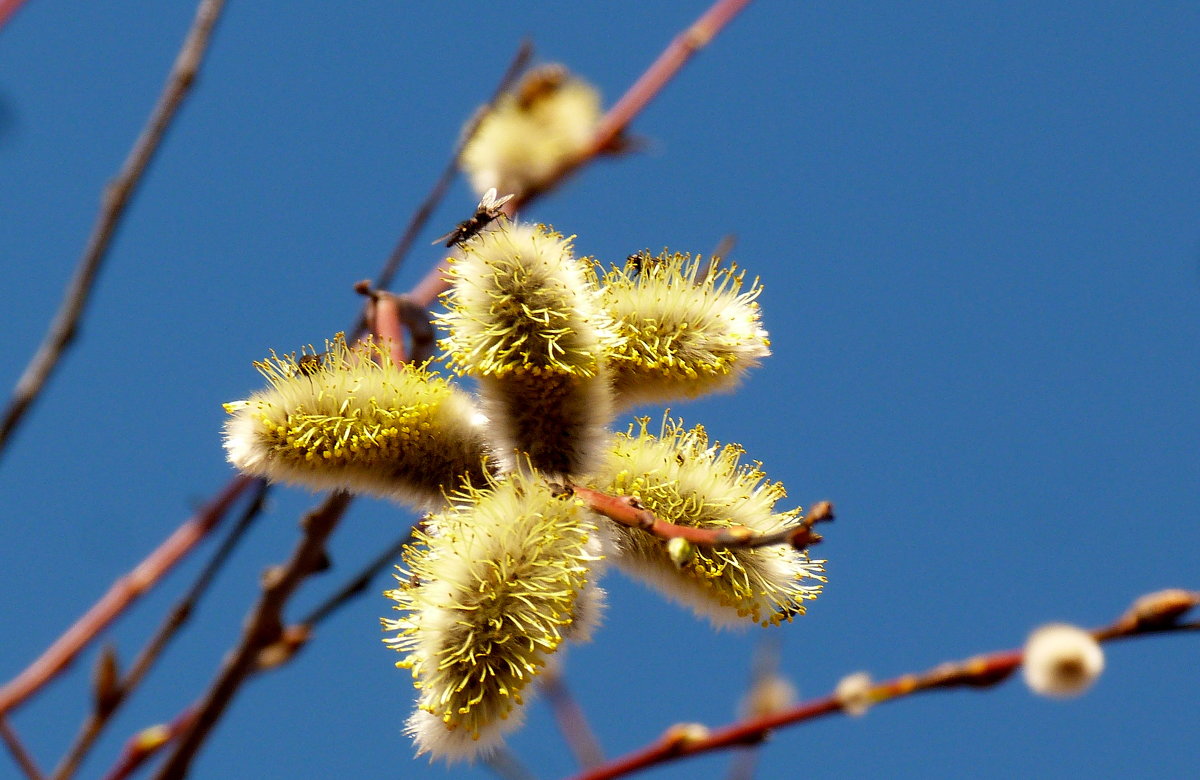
{"points": [[107, 705], [263, 628], [112, 208], [1155, 613], [629, 512], [571, 720], [120, 595], [19, 753], [8, 8], [519, 62], [617, 119]]}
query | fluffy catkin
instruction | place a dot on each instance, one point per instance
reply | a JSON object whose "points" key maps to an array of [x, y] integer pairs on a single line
{"points": [[548, 120], [492, 587], [687, 326], [523, 319], [353, 419], [685, 479]]}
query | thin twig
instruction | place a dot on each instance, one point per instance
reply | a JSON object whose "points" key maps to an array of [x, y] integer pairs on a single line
{"points": [[629, 512], [112, 207], [506, 766], [519, 62], [264, 627], [1156, 613], [19, 753], [614, 122], [175, 620], [144, 745], [571, 720], [358, 584], [120, 595]]}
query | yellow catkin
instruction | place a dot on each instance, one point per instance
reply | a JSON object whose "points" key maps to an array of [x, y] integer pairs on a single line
{"points": [[687, 327], [523, 319], [685, 479], [351, 418], [492, 587]]}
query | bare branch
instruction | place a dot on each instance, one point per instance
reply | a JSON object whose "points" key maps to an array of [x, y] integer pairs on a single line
{"points": [[613, 124], [1156, 613], [120, 595], [264, 627], [571, 720], [112, 208], [175, 620], [19, 753], [629, 512]]}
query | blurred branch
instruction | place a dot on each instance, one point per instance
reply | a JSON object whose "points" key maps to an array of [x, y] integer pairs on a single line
{"points": [[112, 208], [119, 596], [8, 8], [19, 753], [629, 512], [571, 720], [506, 766], [263, 628], [1155, 613], [106, 707], [519, 62], [613, 124]]}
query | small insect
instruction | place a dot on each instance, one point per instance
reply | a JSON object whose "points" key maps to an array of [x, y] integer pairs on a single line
{"points": [[489, 209], [309, 363], [540, 84], [638, 261]]}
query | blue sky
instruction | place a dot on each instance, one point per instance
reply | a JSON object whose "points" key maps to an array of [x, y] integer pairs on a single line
{"points": [[978, 228]]}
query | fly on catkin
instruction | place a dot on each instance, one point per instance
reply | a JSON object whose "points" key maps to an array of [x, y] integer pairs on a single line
{"points": [[523, 319], [685, 479], [688, 328], [493, 586], [351, 418]]}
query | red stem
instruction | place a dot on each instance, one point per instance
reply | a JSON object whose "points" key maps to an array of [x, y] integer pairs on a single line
{"points": [[119, 596]]}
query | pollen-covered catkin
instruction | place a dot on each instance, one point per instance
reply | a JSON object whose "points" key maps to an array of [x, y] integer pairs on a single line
{"points": [[688, 328], [492, 588], [523, 140], [351, 418], [523, 319], [685, 479]]}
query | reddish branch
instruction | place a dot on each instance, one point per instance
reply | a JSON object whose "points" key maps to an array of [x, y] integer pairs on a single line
{"points": [[111, 695], [628, 511], [617, 119], [1154, 613], [112, 207], [122, 593], [263, 628], [8, 8], [19, 753]]}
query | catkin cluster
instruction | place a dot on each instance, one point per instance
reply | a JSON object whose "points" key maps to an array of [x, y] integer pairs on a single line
{"points": [[504, 567]]}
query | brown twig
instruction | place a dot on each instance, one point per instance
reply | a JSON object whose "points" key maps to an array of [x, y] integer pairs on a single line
{"points": [[112, 207], [629, 512], [571, 720], [175, 620], [616, 120], [119, 596], [1155, 613], [144, 745], [19, 753], [263, 628]]}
